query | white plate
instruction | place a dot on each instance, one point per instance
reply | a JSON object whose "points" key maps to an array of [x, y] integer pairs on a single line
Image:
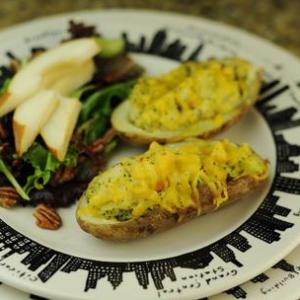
{"points": [[217, 251], [279, 282]]}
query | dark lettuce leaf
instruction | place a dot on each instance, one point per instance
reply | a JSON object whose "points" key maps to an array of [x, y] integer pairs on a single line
{"points": [[79, 30]]}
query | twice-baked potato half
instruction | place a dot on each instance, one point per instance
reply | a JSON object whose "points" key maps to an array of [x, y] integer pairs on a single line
{"points": [[168, 185], [197, 99]]}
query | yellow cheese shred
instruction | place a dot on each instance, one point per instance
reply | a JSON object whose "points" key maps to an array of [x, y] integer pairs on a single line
{"points": [[170, 177], [192, 92]]}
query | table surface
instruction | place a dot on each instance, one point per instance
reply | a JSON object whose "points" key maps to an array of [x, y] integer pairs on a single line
{"points": [[275, 20]]}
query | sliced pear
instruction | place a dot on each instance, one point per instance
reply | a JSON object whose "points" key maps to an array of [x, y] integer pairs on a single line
{"points": [[79, 75], [49, 68], [244, 77], [58, 131], [30, 117]]}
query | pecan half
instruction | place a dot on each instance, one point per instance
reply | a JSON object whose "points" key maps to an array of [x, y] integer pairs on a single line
{"points": [[8, 196], [47, 217]]}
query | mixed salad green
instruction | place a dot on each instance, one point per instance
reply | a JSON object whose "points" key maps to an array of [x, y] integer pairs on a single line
{"points": [[112, 83]]}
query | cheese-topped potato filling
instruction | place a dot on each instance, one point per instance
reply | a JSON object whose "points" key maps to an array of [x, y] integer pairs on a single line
{"points": [[170, 177], [192, 92]]}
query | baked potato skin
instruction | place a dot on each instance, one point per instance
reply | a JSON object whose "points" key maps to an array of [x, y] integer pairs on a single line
{"points": [[158, 220], [144, 139], [139, 140]]}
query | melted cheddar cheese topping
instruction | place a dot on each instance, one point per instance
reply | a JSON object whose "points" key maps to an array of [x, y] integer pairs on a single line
{"points": [[194, 91], [170, 177]]}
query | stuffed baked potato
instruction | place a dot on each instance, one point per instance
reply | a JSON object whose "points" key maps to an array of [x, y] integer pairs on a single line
{"points": [[197, 99], [167, 186]]}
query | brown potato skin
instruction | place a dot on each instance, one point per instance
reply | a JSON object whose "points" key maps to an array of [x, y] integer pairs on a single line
{"points": [[159, 220]]}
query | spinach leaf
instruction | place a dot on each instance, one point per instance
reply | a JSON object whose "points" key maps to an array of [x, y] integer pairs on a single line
{"points": [[101, 101], [94, 128], [96, 110]]}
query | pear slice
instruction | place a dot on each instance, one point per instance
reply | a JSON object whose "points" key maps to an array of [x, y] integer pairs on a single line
{"points": [[48, 69], [58, 131], [30, 117], [79, 74]]}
